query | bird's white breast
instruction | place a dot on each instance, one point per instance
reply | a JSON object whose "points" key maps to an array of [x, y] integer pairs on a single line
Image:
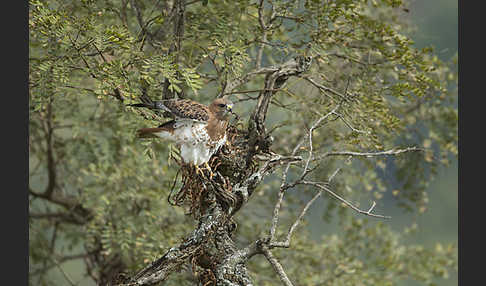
{"points": [[190, 132], [200, 152], [194, 140]]}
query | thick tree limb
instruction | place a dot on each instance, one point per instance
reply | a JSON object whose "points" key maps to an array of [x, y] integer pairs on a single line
{"points": [[258, 138], [275, 80], [160, 269]]}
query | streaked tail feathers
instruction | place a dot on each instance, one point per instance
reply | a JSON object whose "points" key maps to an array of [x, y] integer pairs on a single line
{"points": [[165, 130]]}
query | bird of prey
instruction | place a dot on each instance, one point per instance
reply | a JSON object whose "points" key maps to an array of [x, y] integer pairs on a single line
{"points": [[198, 129]]}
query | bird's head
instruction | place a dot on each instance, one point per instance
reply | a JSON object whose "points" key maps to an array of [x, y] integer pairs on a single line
{"points": [[222, 107]]}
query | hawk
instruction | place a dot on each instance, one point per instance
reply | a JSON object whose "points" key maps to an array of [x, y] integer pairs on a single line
{"points": [[198, 129]]}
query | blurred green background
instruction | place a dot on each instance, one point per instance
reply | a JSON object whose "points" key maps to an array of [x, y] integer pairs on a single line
{"points": [[436, 24]]}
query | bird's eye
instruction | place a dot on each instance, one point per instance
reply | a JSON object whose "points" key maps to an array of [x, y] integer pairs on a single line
{"points": [[221, 105]]}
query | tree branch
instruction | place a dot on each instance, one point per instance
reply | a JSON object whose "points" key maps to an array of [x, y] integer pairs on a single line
{"points": [[284, 185], [328, 190], [265, 28], [286, 243], [244, 79], [178, 31], [51, 166], [160, 269], [258, 138], [326, 89], [392, 152], [276, 266], [58, 216]]}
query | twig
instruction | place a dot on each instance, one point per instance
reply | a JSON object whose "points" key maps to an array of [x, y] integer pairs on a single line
{"points": [[66, 276], [391, 152], [276, 209], [250, 91], [340, 116], [313, 127], [61, 260], [244, 79], [325, 188], [284, 185], [265, 28], [276, 266], [286, 243], [58, 217], [51, 166], [325, 88]]}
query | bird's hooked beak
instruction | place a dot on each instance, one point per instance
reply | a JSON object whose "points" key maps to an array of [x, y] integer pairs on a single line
{"points": [[229, 108]]}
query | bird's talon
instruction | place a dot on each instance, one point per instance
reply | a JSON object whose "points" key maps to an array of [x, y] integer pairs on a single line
{"points": [[211, 174], [199, 171]]}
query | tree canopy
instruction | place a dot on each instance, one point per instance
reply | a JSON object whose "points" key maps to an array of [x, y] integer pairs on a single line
{"points": [[336, 109]]}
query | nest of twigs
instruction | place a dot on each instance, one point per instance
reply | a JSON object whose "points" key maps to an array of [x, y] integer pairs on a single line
{"points": [[228, 167]]}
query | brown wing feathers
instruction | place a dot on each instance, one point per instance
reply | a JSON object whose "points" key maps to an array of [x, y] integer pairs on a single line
{"points": [[185, 108], [182, 108], [216, 115]]}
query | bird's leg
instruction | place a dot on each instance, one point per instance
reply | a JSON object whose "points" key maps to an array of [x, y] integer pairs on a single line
{"points": [[198, 170], [211, 174]]}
